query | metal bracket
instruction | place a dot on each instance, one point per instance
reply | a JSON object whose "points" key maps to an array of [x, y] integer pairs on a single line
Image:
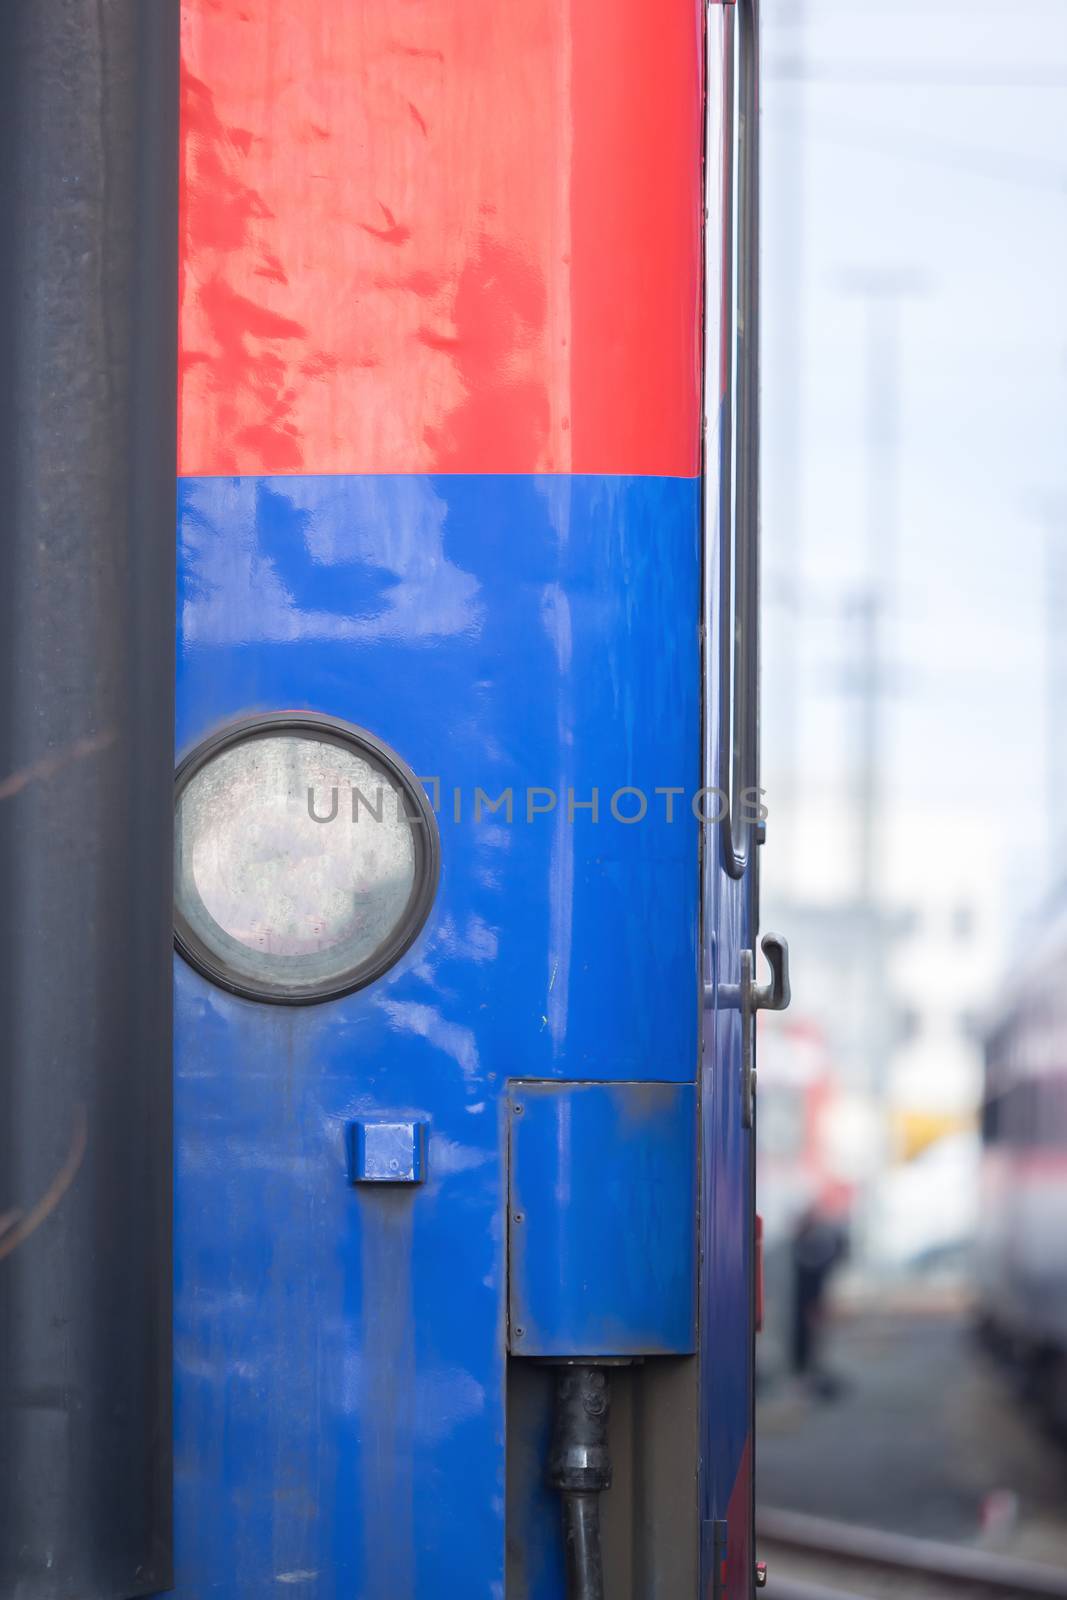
{"points": [[386, 1152], [748, 997]]}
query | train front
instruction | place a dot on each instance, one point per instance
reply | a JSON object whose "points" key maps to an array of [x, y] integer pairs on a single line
{"points": [[465, 707]]}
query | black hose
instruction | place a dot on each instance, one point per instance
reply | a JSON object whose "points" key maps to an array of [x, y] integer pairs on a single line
{"points": [[581, 1539], [580, 1467]]}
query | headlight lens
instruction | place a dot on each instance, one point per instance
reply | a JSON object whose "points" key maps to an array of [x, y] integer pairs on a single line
{"points": [[305, 858]]}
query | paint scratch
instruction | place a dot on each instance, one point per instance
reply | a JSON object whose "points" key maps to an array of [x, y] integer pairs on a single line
{"points": [[49, 765]]}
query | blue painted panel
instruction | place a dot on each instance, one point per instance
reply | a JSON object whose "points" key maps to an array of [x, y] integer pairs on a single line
{"points": [[602, 1225], [340, 1350]]}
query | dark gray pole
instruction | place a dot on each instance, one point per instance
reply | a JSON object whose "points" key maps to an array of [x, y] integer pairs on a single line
{"points": [[88, 180]]}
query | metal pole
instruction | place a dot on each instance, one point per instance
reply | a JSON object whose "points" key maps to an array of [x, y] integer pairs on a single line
{"points": [[882, 292], [1052, 511], [88, 294]]}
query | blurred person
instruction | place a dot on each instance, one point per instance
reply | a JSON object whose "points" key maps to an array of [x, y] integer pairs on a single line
{"points": [[819, 1243]]}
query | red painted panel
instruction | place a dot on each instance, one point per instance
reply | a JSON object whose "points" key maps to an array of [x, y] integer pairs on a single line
{"points": [[441, 235], [740, 1561]]}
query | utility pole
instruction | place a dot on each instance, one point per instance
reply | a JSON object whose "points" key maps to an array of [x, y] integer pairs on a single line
{"points": [[1051, 511], [883, 292], [1056, 694]]}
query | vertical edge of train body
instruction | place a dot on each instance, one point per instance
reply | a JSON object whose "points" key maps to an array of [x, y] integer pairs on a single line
{"points": [[458, 1107], [731, 767]]}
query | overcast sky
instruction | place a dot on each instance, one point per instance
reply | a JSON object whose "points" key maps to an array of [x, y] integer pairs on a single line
{"points": [[927, 142]]}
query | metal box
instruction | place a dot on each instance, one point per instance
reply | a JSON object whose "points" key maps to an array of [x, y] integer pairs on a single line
{"points": [[602, 1219]]}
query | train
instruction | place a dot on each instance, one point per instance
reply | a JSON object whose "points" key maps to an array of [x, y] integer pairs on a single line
{"points": [[1020, 1270], [382, 828]]}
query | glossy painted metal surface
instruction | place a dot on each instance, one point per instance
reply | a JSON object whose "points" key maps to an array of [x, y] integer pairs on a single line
{"points": [[386, 1152], [730, 908], [340, 1351], [602, 1219], [457, 236], [440, 438]]}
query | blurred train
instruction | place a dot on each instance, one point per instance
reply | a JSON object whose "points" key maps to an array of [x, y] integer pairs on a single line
{"points": [[1022, 1250], [377, 1214]]}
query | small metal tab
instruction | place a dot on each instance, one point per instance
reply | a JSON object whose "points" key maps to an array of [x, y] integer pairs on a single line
{"points": [[386, 1152]]}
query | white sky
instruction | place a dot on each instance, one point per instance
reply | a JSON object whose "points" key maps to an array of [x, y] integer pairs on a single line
{"points": [[928, 139]]}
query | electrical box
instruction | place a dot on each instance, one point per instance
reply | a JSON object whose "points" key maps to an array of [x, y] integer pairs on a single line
{"points": [[602, 1219]]}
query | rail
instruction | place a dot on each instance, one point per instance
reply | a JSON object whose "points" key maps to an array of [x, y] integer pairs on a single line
{"points": [[980, 1572]]}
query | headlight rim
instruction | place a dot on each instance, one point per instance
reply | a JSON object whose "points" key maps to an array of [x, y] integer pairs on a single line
{"points": [[323, 727]]}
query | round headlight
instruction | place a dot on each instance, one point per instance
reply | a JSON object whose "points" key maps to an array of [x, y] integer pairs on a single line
{"points": [[305, 858]]}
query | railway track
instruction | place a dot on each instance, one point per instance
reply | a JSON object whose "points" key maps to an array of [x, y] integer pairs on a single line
{"points": [[818, 1559]]}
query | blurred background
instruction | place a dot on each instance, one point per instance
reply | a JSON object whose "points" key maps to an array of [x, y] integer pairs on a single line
{"points": [[913, 1102]]}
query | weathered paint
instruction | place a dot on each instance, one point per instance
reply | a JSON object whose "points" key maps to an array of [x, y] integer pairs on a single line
{"points": [[324, 1364], [440, 448], [458, 236], [602, 1218]]}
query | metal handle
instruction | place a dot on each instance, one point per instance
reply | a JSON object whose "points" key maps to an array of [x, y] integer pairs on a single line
{"points": [[748, 997], [732, 446], [773, 996], [776, 995]]}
